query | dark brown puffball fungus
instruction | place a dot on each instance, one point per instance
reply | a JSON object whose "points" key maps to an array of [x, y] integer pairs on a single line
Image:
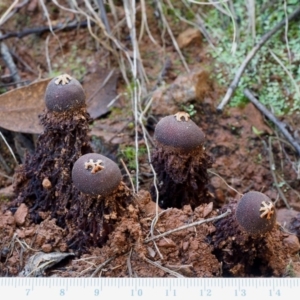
{"points": [[255, 213], [103, 200], [64, 93], [95, 174], [180, 161], [248, 241], [44, 181]]}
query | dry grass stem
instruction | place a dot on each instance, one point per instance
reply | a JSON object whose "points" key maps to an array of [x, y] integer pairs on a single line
{"points": [[188, 226], [9, 148], [229, 186], [128, 174], [101, 266], [272, 169], [166, 24], [156, 264]]}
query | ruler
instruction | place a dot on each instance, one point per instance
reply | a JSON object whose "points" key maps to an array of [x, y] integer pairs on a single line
{"points": [[149, 288]]}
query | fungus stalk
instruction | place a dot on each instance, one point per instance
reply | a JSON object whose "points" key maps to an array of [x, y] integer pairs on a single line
{"points": [[181, 162], [44, 182], [102, 201]]}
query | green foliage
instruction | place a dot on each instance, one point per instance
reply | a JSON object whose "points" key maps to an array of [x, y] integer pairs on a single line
{"points": [[263, 74], [128, 153], [71, 63], [189, 108]]}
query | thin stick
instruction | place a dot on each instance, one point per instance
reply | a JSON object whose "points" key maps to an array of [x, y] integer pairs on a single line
{"points": [[127, 171], [229, 186], [9, 148], [128, 262], [281, 126], [101, 266], [40, 30], [156, 264], [286, 29], [288, 73], [3, 17], [272, 169], [172, 35], [263, 40], [7, 58], [225, 214]]}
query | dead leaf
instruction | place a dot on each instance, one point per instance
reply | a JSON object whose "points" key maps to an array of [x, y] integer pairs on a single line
{"points": [[40, 261], [190, 35], [100, 88], [19, 108]]}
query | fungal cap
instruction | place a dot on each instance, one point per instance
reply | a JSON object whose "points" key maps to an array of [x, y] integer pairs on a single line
{"points": [[179, 131], [95, 174], [255, 213], [64, 93]]}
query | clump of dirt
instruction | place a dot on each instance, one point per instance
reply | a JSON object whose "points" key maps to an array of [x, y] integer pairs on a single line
{"points": [[20, 238], [92, 218], [131, 252]]}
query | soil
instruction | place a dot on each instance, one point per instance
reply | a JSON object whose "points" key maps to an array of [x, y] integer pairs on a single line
{"points": [[245, 153]]}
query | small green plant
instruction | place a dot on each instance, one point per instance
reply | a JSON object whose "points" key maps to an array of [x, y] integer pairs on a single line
{"points": [[189, 108], [264, 73], [71, 64], [128, 153]]}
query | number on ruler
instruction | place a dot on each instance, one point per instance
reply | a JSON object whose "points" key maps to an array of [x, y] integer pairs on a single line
{"points": [[274, 293], [240, 293], [139, 292], [96, 292], [27, 292], [205, 293], [61, 292]]}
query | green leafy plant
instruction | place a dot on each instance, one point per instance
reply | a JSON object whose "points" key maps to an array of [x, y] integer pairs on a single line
{"points": [[264, 74], [128, 153]]}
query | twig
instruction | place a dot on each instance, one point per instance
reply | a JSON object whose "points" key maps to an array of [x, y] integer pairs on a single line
{"points": [[263, 40], [164, 20], [188, 226], [272, 169], [229, 186], [286, 29], [9, 148], [281, 126], [101, 266], [288, 73], [128, 174], [8, 11], [41, 30], [5, 53], [103, 15], [156, 264], [128, 262]]}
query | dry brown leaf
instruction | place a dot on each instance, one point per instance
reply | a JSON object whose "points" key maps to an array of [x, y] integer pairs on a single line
{"points": [[189, 36], [98, 98], [19, 108]]}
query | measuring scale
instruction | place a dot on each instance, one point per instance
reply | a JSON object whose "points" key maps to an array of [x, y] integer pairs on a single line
{"points": [[149, 288]]}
